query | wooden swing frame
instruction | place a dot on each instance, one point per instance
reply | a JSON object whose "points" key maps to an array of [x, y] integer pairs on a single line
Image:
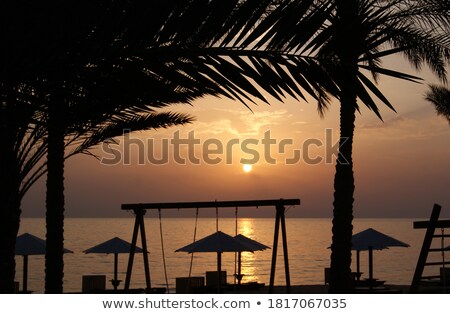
{"points": [[279, 204]]}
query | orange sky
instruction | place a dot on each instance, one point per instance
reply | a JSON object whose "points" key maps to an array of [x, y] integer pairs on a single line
{"points": [[401, 166]]}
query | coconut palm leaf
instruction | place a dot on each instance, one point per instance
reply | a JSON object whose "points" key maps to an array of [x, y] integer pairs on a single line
{"points": [[121, 124], [439, 96]]}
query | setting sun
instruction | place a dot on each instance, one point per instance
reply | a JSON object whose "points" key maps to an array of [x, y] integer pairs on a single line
{"points": [[247, 168]]}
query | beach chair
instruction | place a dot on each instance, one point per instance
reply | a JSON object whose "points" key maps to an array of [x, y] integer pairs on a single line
{"points": [[93, 283]]}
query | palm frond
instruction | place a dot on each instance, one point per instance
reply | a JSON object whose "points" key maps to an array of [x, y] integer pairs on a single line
{"points": [[439, 96], [119, 125]]}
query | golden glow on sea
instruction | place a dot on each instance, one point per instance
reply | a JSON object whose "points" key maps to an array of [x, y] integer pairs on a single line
{"points": [[246, 227]]}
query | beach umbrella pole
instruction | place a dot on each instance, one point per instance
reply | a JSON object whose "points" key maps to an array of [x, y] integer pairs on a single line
{"points": [[370, 266], [115, 282], [116, 261], [25, 273], [239, 276], [219, 271], [358, 266]]}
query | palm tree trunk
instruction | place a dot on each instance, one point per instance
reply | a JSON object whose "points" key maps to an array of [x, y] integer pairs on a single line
{"points": [[340, 273], [54, 263], [344, 186]]}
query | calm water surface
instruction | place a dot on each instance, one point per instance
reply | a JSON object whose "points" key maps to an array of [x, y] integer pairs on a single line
{"points": [[308, 240]]}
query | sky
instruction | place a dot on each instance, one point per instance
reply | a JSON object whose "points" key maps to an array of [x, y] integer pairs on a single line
{"points": [[401, 164]]}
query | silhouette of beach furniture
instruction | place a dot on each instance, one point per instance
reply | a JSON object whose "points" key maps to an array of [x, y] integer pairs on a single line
{"points": [[114, 246], [369, 240], [28, 244], [432, 283], [93, 284], [355, 275], [212, 279], [193, 284], [219, 243], [140, 210], [445, 271]]}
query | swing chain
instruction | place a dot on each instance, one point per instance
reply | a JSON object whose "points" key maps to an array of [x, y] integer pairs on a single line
{"points": [[195, 237], [235, 254]]}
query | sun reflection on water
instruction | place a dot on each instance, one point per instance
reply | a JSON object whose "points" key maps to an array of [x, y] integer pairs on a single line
{"points": [[246, 227], [249, 260]]}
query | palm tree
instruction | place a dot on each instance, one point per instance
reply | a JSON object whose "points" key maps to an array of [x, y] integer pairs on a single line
{"points": [[380, 24], [28, 55], [119, 59], [20, 164], [354, 40], [22, 158], [439, 96], [86, 123]]}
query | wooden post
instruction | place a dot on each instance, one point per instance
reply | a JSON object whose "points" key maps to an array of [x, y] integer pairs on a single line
{"points": [[132, 251], [274, 251], [285, 248], [144, 250]]}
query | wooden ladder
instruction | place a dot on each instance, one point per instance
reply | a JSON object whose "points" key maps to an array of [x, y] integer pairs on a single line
{"points": [[431, 226]]}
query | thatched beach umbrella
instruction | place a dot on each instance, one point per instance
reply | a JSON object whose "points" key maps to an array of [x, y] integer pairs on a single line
{"points": [[369, 240], [28, 244], [218, 242], [113, 246]]}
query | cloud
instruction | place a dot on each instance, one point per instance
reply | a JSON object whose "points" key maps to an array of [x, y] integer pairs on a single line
{"points": [[241, 123], [216, 127], [402, 127], [258, 120], [397, 121]]}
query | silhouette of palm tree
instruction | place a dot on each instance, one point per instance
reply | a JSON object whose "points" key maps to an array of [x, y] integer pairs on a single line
{"points": [[439, 96], [352, 42], [378, 24], [86, 78]]}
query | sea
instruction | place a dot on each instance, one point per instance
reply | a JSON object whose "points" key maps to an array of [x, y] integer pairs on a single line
{"points": [[308, 249]]}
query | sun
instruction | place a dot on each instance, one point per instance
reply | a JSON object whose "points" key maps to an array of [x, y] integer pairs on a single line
{"points": [[247, 168]]}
